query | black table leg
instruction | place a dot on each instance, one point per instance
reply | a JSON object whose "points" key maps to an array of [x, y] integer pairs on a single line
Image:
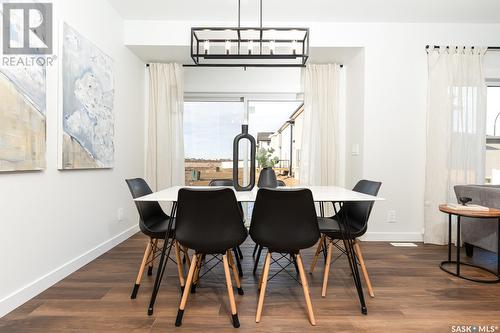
{"points": [[449, 237], [348, 243], [498, 248], [257, 259], [458, 245], [165, 254], [238, 262], [322, 214]]}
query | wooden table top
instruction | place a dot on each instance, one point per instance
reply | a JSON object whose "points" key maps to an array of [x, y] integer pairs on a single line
{"points": [[491, 213]]}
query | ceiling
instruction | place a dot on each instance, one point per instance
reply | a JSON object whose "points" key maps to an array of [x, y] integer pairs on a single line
{"points": [[459, 11]]}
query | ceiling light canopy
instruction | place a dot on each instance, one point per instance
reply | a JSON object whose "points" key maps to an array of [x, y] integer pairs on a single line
{"points": [[250, 46]]}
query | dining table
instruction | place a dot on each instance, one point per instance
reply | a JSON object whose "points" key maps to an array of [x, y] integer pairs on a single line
{"points": [[321, 195]]}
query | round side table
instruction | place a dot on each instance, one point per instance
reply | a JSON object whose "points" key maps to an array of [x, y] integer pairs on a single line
{"points": [[486, 214]]}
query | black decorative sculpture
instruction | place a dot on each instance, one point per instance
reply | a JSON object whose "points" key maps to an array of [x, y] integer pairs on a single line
{"points": [[464, 200], [236, 147]]}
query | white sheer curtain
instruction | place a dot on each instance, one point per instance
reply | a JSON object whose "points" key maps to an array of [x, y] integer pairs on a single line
{"points": [[165, 147], [320, 134], [456, 126]]}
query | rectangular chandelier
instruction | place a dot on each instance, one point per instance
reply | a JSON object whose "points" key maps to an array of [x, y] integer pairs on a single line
{"points": [[250, 47]]}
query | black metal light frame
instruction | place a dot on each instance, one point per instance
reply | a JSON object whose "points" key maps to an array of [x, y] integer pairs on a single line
{"points": [[198, 55]]}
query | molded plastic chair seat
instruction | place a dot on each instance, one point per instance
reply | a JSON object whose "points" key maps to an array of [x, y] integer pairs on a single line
{"points": [[153, 222], [209, 222], [330, 226], [157, 227], [277, 217], [284, 221], [357, 214], [205, 243]]}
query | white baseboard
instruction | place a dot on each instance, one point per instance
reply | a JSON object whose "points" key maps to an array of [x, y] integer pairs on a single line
{"points": [[24, 294], [393, 236]]}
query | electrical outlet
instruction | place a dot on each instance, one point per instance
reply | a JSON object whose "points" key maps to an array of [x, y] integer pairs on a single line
{"points": [[119, 214], [391, 216]]}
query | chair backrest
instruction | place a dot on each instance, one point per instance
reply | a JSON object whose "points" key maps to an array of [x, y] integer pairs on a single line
{"points": [[209, 220], [147, 209], [229, 182], [284, 220], [358, 212], [221, 182], [225, 182]]}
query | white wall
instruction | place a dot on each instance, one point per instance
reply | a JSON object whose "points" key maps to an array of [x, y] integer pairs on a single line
{"points": [[354, 90], [54, 222], [394, 93], [237, 80]]}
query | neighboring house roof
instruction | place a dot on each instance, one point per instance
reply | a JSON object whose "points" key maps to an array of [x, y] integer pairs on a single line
{"points": [[264, 136]]}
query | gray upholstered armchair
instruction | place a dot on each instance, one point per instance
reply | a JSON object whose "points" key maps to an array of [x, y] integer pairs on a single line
{"points": [[483, 234]]}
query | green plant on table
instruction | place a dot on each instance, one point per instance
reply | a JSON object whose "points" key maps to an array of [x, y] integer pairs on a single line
{"points": [[265, 158]]}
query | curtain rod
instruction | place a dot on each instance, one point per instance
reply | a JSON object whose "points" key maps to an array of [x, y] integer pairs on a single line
{"points": [[490, 48], [244, 66]]}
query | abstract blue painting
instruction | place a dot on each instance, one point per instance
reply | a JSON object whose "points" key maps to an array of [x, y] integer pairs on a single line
{"points": [[88, 96], [22, 113]]}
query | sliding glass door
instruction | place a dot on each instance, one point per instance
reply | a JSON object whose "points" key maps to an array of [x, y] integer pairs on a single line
{"points": [[210, 125], [209, 130]]}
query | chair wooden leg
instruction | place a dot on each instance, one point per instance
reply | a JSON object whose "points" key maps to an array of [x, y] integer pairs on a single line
{"points": [[305, 288], [196, 278], [235, 272], [265, 276], [147, 253], [189, 280], [327, 268], [180, 268], [316, 255], [186, 255], [151, 259], [359, 254], [234, 312]]}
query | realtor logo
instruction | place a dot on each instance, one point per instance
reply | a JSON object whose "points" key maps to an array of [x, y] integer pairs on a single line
{"points": [[27, 28]]}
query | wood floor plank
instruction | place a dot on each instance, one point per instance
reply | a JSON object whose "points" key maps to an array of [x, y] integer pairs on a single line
{"points": [[412, 295]]}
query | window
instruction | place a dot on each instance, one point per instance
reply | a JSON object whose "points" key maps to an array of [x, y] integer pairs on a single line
{"points": [[210, 127], [273, 126], [493, 111], [209, 130], [492, 161]]}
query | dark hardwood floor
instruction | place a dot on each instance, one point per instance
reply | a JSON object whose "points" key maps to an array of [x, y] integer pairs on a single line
{"points": [[411, 295]]}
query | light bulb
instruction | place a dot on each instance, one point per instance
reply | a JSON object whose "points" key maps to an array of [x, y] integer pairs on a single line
{"points": [[295, 46], [272, 47], [250, 46], [206, 46]]}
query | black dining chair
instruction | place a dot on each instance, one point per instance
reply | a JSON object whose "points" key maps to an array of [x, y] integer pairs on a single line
{"points": [[285, 231], [258, 249], [357, 213], [238, 254], [210, 223], [153, 222]]}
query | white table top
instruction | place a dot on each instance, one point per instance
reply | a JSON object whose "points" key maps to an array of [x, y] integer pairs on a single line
{"points": [[320, 193]]}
